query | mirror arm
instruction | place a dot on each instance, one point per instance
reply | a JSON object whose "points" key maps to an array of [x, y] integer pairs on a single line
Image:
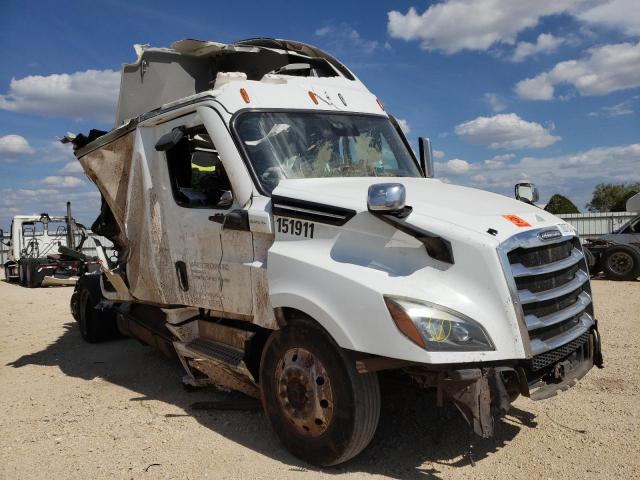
{"points": [[234, 220], [437, 247]]}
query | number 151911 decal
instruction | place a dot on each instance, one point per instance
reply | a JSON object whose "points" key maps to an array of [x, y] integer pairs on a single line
{"points": [[299, 228]]}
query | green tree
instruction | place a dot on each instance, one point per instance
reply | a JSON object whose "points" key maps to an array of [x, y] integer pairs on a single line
{"points": [[559, 204], [611, 197]]}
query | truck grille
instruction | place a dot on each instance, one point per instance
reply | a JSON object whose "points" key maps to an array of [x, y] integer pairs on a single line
{"points": [[550, 287]]}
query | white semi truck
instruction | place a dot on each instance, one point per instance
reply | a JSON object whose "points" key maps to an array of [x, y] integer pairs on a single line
{"points": [[276, 233], [42, 250]]}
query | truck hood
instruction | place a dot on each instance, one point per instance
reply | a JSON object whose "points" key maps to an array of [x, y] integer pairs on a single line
{"points": [[468, 208]]}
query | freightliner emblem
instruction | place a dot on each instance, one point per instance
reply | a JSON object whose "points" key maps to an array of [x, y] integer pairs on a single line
{"points": [[549, 234]]}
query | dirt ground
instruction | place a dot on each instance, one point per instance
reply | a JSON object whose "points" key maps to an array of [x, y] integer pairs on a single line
{"points": [[117, 410]]}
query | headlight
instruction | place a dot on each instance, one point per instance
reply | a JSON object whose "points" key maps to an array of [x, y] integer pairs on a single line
{"points": [[437, 328]]}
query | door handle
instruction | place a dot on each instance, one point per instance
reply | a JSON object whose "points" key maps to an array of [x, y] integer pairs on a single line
{"points": [[181, 272]]}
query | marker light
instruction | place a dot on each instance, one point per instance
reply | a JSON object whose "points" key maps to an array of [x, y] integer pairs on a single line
{"points": [[245, 95], [313, 97]]}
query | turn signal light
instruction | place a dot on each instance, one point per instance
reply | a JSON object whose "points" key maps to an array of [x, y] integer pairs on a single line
{"points": [[245, 95], [313, 97], [404, 322]]}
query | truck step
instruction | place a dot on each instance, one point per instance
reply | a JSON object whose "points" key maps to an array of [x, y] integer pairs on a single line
{"points": [[216, 351]]}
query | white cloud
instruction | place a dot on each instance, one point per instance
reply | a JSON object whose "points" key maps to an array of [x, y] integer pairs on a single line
{"points": [[506, 130], [617, 110], [495, 101], [85, 204], [57, 152], [498, 161], [455, 167], [546, 43], [404, 125], [81, 95], [438, 154], [606, 69], [62, 181], [72, 167], [345, 39], [620, 14], [12, 146], [574, 175], [455, 25]]}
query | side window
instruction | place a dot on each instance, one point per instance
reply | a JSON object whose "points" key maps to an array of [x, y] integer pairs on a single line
{"points": [[198, 179], [32, 229]]}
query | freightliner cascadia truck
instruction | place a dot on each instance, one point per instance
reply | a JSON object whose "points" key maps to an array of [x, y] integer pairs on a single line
{"points": [[277, 234]]}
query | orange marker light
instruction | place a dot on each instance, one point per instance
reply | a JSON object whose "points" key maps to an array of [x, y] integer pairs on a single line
{"points": [[516, 220], [245, 95], [380, 104], [313, 97]]}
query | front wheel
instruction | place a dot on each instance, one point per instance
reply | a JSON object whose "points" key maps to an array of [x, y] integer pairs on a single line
{"points": [[321, 408]]}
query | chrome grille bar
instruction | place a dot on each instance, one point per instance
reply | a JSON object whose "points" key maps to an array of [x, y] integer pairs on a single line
{"points": [[535, 323], [530, 297], [539, 346], [520, 270]]}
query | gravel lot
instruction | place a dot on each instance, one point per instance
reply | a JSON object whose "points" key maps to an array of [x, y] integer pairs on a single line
{"points": [[117, 410]]}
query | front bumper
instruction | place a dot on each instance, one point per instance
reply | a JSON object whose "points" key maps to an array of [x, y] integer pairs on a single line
{"points": [[482, 391], [557, 370]]}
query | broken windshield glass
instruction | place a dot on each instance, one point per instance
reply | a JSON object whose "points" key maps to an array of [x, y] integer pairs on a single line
{"points": [[314, 145]]}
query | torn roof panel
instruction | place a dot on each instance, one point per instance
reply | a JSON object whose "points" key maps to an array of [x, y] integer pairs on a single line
{"points": [[160, 76]]}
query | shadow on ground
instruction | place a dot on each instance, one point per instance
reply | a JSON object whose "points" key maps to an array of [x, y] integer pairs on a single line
{"points": [[411, 431]]}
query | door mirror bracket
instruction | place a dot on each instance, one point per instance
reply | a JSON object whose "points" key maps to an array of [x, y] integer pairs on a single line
{"points": [[426, 157]]}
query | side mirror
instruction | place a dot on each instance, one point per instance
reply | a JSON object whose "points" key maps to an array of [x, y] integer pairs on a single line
{"points": [[386, 197], [426, 157], [170, 140], [226, 200], [527, 192]]}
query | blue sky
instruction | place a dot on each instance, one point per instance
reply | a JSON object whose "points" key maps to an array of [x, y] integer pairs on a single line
{"points": [[508, 90]]}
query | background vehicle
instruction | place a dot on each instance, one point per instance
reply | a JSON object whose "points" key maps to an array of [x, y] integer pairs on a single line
{"points": [[617, 254], [276, 232], [43, 250]]}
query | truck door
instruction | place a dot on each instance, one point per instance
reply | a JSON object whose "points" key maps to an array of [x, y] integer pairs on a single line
{"points": [[209, 249]]}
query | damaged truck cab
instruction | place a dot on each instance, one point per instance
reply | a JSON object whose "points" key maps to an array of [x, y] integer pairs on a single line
{"points": [[275, 231]]}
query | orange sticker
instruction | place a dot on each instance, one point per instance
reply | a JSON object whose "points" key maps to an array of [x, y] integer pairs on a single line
{"points": [[516, 220]]}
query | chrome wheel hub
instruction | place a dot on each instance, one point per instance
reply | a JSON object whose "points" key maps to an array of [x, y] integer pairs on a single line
{"points": [[304, 392], [620, 262]]}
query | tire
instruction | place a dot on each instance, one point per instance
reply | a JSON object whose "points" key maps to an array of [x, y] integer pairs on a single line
{"points": [[73, 304], [621, 262], [300, 366], [32, 279], [6, 274], [95, 325], [22, 280]]}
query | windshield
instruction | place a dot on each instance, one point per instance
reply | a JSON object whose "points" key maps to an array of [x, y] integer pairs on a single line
{"points": [[313, 145]]}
